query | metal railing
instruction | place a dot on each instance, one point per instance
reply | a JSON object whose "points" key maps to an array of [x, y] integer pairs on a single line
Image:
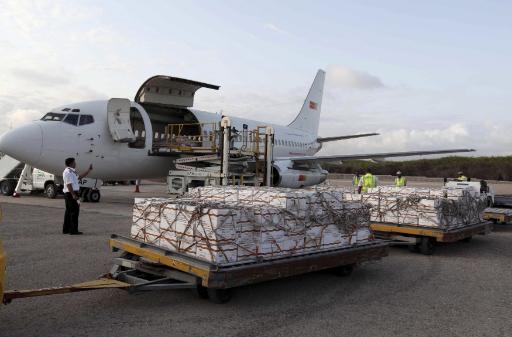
{"points": [[192, 137], [207, 138]]}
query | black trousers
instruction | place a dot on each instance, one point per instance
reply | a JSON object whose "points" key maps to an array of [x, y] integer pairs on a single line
{"points": [[71, 214]]}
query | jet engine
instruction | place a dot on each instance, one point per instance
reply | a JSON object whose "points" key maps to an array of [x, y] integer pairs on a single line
{"points": [[284, 176]]}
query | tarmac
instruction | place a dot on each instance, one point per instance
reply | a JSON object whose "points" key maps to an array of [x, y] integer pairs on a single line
{"points": [[462, 290]]}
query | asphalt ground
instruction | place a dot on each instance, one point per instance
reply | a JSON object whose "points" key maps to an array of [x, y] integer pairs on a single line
{"points": [[462, 290]]}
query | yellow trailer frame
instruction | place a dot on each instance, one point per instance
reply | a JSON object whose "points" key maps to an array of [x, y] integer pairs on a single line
{"points": [[423, 239], [498, 215], [214, 281]]}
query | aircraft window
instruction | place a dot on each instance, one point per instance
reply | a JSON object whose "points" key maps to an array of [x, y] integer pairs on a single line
{"points": [[86, 119], [53, 116], [75, 110], [66, 109], [71, 119]]}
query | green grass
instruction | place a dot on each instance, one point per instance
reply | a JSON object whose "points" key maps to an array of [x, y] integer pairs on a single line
{"points": [[491, 168]]}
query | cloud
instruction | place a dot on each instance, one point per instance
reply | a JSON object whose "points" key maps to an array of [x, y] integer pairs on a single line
{"points": [[30, 16], [104, 35], [20, 116], [456, 135], [344, 77], [274, 28], [38, 77]]}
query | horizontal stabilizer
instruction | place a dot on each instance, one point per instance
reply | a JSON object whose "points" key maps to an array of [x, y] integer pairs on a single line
{"points": [[370, 155], [332, 139]]}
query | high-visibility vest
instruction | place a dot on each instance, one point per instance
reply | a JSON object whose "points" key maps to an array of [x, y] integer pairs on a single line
{"points": [[462, 178], [355, 181], [368, 182], [400, 181]]}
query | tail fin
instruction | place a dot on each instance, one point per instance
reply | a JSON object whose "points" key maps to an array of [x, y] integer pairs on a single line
{"points": [[309, 116]]}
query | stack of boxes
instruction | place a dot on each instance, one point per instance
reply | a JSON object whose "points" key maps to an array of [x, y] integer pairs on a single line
{"points": [[445, 208], [228, 225]]}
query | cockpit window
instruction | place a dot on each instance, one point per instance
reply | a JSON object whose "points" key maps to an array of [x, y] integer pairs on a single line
{"points": [[71, 119], [53, 116], [86, 119]]}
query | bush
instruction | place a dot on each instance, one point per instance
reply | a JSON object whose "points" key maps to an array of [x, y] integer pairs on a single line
{"points": [[490, 168]]}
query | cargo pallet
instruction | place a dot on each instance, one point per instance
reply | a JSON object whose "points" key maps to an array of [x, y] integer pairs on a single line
{"points": [[423, 239], [498, 215], [148, 267]]}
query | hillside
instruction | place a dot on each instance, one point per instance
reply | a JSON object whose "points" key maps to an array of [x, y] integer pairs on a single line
{"points": [[491, 168]]}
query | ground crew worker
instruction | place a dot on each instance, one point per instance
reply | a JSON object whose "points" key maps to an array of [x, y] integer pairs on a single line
{"points": [[399, 180], [71, 189], [367, 181], [355, 180], [461, 176]]}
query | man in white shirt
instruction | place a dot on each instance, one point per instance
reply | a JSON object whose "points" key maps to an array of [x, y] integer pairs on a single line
{"points": [[71, 192]]}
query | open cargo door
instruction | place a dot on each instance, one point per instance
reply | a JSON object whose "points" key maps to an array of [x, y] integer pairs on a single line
{"points": [[118, 111], [170, 91]]}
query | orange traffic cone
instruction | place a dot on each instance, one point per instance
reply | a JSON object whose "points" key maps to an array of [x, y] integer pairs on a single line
{"points": [[15, 195]]}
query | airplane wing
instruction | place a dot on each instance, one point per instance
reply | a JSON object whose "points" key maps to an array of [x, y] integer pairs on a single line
{"points": [[370, 155], [331, 139]]}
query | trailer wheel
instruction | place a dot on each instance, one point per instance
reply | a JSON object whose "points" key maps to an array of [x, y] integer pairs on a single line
{"points": [[219, 296], [94, 195], [7, 187], [343, 271], [414, 248], [426, 246], [468, 239], [50, 190], [84, 194], [201, 291]]}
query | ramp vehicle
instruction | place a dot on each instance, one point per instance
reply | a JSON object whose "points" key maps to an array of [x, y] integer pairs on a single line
{"points": [[481, 187], [17, 177]]}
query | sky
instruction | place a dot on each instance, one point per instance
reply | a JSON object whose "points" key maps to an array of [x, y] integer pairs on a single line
{"points": [[425, 75]]}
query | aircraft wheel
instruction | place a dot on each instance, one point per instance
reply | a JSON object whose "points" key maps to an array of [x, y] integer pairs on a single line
{"points": [[7, 187], [94, 196], [50, 191]]}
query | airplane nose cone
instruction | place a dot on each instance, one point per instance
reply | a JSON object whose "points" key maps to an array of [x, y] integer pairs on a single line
{"points": [[23, 143]]}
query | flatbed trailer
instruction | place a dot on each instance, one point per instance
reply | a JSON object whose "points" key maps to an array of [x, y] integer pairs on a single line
{"points": [[148, 267], [498, 215], [142, 267], [423, 239]]}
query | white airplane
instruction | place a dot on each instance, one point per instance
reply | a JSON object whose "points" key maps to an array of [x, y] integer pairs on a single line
{"points": [[118, 136]]}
